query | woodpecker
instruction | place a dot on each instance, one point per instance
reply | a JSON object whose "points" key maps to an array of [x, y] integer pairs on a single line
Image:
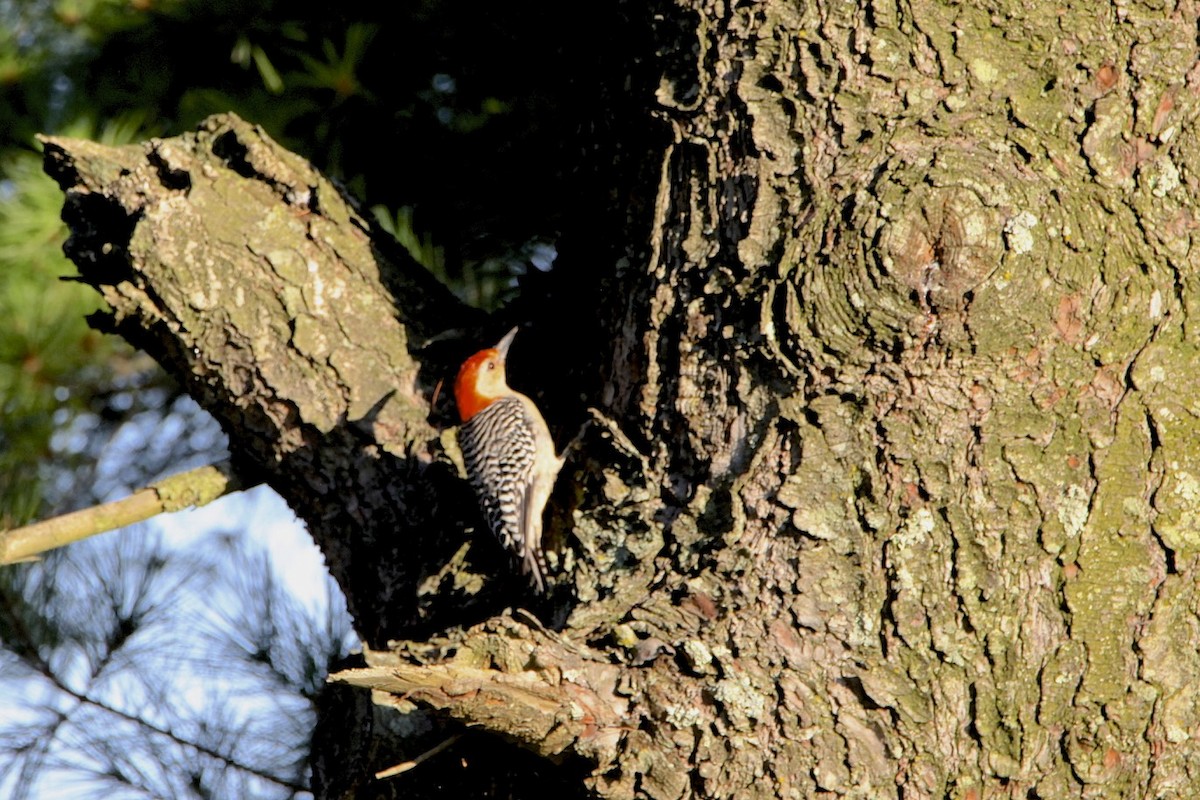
{"points": [[509, 456]]}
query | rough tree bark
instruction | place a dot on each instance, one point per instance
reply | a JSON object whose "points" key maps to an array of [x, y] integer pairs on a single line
{"points": [[892, 490]]}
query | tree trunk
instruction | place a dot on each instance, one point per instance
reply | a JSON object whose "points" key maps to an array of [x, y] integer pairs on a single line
{"points": [[890, 491]]}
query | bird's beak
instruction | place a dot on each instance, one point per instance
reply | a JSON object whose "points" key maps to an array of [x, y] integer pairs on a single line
{"points": [[506, 343]]}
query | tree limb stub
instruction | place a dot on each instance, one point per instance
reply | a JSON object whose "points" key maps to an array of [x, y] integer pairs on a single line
{"points": [[530, 685], [257, 284]]}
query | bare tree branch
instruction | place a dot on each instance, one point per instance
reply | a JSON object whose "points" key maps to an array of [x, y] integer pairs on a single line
{"points": [[191, 489]]}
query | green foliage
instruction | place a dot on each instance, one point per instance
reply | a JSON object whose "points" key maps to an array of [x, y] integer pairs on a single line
{"points": [[337, 70], [44, 341], [421, 248], [49, 358]]}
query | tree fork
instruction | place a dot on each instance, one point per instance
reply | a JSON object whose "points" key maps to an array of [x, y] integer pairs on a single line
{"points": [[253, 281]]}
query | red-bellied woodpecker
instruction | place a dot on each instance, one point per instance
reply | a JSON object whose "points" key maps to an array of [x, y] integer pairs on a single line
{"points": [[509, 455]]}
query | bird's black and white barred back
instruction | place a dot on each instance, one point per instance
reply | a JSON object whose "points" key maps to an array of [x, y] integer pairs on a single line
{"points": [[502, 477]]}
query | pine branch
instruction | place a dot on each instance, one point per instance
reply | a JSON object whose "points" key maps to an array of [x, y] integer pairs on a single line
{"points": [[203, 749]]}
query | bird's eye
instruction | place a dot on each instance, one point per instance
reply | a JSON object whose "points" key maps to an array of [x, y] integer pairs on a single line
{"points": [[491, 364]]}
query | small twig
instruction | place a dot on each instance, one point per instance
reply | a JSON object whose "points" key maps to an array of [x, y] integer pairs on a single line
{"points": [[196, 487], [405, 766], [574, 443], [619, 439], [436, 391]]}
